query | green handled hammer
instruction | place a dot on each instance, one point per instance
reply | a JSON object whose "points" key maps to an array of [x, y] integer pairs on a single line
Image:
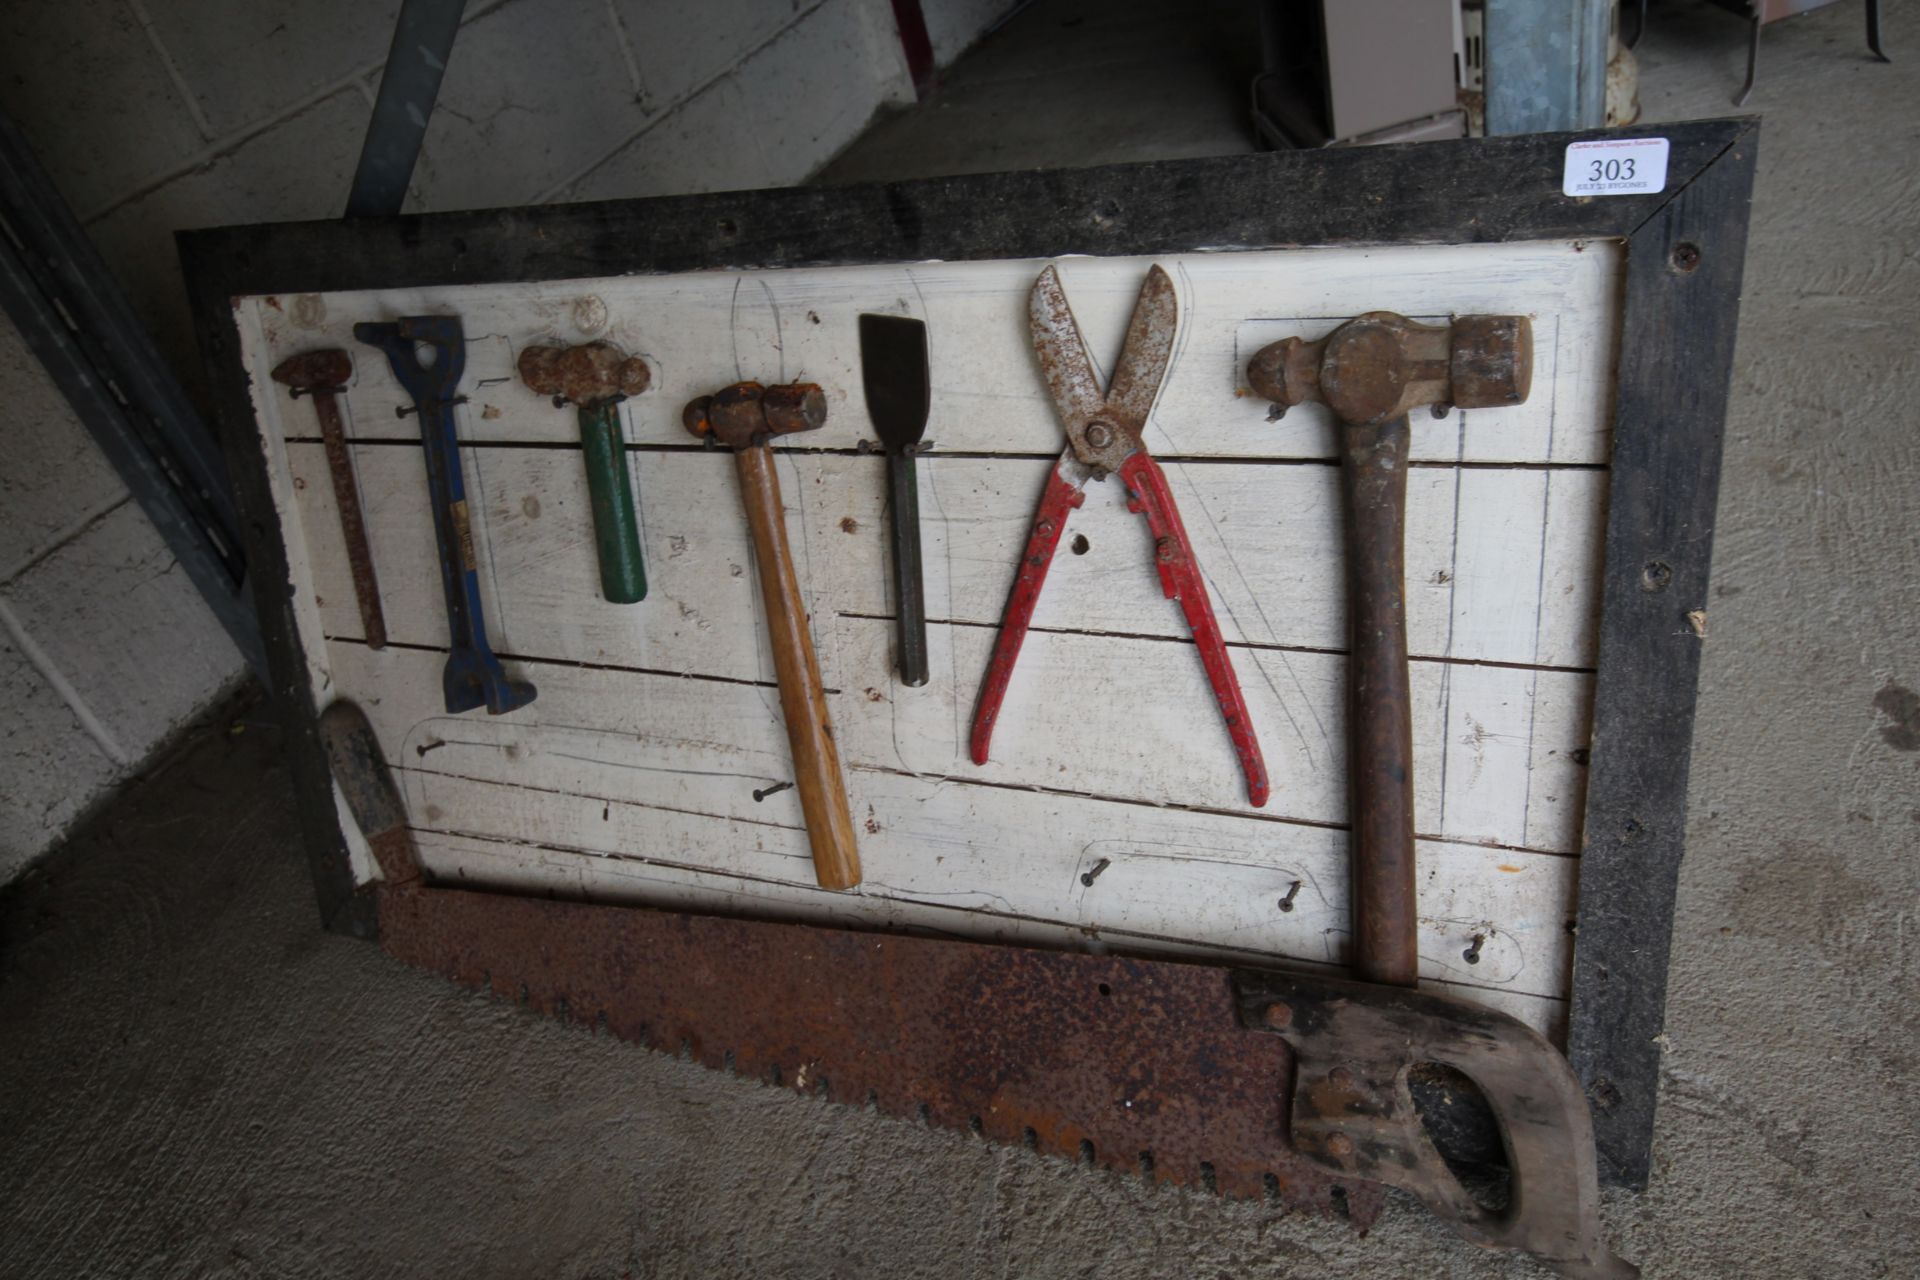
{"points": [[595, 377]]}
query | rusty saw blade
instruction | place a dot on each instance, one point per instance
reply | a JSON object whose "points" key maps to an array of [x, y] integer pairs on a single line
{"points": [[1140, 1066], [1247, 1082]]}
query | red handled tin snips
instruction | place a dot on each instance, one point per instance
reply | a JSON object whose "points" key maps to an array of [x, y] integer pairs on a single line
{"points": [[1103, 437]]}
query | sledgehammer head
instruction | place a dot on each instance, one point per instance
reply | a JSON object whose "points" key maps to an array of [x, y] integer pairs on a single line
{"points": [[1381, 365]]}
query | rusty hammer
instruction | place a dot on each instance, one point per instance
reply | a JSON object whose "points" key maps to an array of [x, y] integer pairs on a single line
{"points": [[323, 375], [595, 377], [744, 417], [1372, 372]]}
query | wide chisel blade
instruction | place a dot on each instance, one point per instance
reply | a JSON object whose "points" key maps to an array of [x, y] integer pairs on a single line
{"points": [[893, 369]]}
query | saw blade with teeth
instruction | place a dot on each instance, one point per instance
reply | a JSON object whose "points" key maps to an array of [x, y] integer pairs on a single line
{"points": [[1139, 1066]]}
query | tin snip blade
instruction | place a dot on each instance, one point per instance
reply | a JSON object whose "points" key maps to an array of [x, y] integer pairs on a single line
{"points": [[1104, 428]]}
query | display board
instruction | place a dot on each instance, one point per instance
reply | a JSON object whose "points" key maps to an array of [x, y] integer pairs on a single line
{"points": [[1556, 551]]}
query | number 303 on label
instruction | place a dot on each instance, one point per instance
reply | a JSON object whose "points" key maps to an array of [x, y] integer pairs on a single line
{"points": [[1615, 167]]}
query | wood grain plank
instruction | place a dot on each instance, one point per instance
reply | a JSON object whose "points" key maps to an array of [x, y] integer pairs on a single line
{"points": [[1169, 875], [1483, 190], [702, 330], [1487, 579], [709, 757], [1494, 747], [1674, 377], [1488, 776]]}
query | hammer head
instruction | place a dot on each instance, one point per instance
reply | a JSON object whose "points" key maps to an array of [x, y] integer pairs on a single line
{"points": [[329, 369], [591, 374], [1381, 365], [747, 413]]}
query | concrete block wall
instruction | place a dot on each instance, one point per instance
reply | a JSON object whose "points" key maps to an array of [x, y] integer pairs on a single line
{"points": [[156, 116], [105, 648]]}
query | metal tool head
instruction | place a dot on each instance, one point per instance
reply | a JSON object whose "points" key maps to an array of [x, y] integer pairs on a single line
{"points": [[1356, 1050], [472, 679], [748, 413], [1382, 365], [1104, 426], [428, 382], [323, 371], [587, 375], [893, 370]]}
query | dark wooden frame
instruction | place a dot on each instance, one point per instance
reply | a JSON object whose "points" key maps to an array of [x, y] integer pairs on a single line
{"points": [[1685, 250]]}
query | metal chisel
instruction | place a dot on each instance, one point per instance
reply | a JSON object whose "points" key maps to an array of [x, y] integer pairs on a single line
{"points": [[893, 367]]}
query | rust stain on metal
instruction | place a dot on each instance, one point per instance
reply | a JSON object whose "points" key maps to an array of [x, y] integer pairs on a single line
{"points": [[324, 374], [1104, 424], [463, 535], [747, 413], [587, 375], [1381, 365], [1140, 1063]]}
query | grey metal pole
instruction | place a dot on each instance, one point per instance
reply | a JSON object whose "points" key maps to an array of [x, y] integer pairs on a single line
{"points": [[422, 43], [1546, 65], [73, 316]]}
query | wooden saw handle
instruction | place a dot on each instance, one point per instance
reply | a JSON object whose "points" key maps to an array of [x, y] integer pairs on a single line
{"points": [[803, 695]]}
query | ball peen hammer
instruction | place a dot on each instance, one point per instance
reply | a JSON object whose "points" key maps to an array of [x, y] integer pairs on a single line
{"points": [[595, 377], [743, 417], [1372, 372]]}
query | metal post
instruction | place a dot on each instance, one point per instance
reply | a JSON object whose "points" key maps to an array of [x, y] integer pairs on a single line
{"points": [[75, 319], [1546, 65], [422, 42]]}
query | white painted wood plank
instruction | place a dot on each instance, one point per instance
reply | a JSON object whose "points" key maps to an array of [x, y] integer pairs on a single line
{"points": [[533, 540], [545, 869], [701, 746], [1508, 748], [702, 330], [1499, 585], [1267, 536], [983, 850], [1492, 760], [714, 751], [1134, 718]]}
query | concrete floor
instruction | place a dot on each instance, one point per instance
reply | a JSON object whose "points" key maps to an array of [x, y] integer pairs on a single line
{"points": [[196, 1082]]}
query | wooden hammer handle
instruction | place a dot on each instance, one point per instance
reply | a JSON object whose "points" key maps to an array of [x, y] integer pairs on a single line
{"points": [[1380, 705], [803, 695]]}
